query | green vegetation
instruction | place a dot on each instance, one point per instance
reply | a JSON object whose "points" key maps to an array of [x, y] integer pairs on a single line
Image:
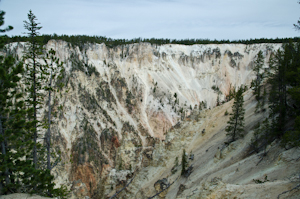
{"points": [[202, 105], [87, 144], [217, 90], [262, 136], [35, 73], [231, 93], [81, 40], [261, 182], [283, 122], [183, 162], [285, 64], [257, 83], [23, 163], [297, 25], [13, 135], [235, 125], [129, 98], [226, 113], [79, 65], [55, 74]]}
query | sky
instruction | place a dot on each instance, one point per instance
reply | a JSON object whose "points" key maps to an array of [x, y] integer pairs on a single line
{"points": [[172, 19]]}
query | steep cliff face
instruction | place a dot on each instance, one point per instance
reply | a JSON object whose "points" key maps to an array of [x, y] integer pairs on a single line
{"points": [[118, 103], [217, 170]]}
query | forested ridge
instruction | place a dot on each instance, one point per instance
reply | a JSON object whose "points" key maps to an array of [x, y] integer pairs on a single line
{"points": [[80, 40]]}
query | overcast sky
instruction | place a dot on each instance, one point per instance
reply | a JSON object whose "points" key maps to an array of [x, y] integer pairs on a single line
{"points": [[174, 19]]}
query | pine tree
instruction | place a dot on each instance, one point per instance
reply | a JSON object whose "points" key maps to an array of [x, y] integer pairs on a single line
{"points": [[284, 79], [2, 13], [8, 28], [15, 143], [257, 83], [38, 80], [235, 125], [55, 67], [183, 162], [34, 74], [231, 93], [292, 137], [13, 139], [297, 25], [262, 136], [280, 64], [21, 170]]}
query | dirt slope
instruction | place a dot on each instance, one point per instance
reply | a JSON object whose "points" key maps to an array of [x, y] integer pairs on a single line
{"points": [[219, 171]]}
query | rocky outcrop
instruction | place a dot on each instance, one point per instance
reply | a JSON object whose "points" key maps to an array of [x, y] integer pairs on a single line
{"points": [[119, 105]]}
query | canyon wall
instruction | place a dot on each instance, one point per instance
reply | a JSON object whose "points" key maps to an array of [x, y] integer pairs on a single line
{"points": [[118, 104]]}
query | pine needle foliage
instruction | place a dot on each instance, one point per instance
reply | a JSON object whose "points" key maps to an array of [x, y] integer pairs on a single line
{"points": [[183, 162], [235, 125], [22, 157], [256, 84]]}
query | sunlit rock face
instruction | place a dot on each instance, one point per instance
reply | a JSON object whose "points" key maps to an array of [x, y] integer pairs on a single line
{"points": [[117, 105]]}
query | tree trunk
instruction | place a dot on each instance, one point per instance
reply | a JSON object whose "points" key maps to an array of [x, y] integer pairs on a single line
{"points": [[48, 137], [236, 121], [34, 113], [3, 150]]}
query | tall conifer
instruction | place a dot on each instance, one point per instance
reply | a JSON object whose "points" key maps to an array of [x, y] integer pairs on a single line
{"points": [[235, 125], [257, 82], [34, 74]]}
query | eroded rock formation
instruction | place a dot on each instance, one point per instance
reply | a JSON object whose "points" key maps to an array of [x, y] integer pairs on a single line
{"points": [[119, 105]]}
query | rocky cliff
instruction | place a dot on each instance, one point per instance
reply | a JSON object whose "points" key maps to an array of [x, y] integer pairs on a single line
{"points": [[127, 112]]}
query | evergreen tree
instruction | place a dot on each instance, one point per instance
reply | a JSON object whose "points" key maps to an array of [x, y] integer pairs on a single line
{"points": [[2, 13], [2, 39], [38, 80], [297, 25], [34, 74], [262, 136], [292, 138], [279, 64], [14, 142], [21, 170], [235, 125], [257, 83], [231, 93], [183, 162], [284, 79], [55, 71]]}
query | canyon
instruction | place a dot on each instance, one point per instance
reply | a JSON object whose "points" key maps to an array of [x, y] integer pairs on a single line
{"points": [[126, 113]]}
